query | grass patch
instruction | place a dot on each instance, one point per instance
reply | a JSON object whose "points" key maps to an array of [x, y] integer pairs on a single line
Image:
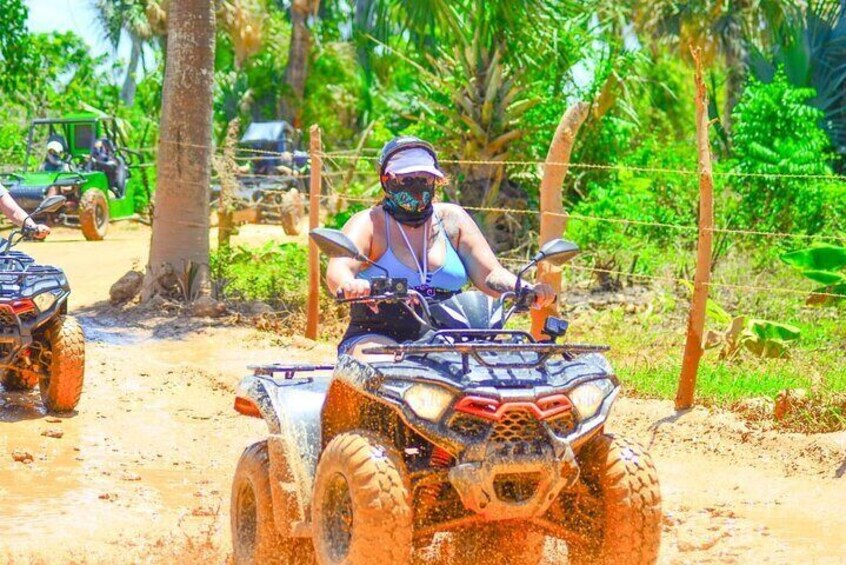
{"points": [[647, 349], [274, 273]]}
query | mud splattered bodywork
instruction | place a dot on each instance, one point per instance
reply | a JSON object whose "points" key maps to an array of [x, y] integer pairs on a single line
{"points": [[503, 444]]}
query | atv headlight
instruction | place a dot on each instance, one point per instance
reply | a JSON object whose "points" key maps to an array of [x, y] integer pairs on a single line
{"points": [[427, 401], [45, 300], [588, 397]]}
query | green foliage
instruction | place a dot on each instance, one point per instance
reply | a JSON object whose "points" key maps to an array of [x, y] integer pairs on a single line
{"points": [[810, 45], [776, 132], [824, 264], [762, 338], [643, 198], [14, 44], [275, 274]]}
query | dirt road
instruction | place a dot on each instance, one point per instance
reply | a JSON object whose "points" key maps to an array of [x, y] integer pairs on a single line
{"points": [[141, 473]]}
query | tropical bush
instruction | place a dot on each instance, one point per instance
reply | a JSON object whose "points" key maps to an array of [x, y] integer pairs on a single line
{"points": [[777, 139], [275, 274]]}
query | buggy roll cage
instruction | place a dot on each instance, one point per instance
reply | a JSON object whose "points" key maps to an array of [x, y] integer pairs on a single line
{"points": [[109, 129]]}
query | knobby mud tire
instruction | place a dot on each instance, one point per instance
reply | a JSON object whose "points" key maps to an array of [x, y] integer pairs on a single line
{"points": [[506, 543], [255, 538], [624, 481], [94, 215], [361, 487], [62, 387]]}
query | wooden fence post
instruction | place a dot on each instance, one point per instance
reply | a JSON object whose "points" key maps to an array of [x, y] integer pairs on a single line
{"points": [[702, 278], [553, 220], [316, 168]]}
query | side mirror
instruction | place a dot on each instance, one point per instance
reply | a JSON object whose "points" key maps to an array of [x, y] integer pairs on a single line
{"points": [[557, 252], [50, 205], [335, 243]]}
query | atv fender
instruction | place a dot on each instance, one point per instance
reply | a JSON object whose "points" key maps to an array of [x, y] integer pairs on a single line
{"points": [[291, 409]]}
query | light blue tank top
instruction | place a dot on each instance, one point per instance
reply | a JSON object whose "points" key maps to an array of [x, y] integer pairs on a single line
{"points": [[451, 276]]}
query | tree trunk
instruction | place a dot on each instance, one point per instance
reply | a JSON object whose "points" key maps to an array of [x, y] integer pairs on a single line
{"points": [[553, 220], [735, 77], [179, 251], [130, 84], [227, 171], [296, 72]]}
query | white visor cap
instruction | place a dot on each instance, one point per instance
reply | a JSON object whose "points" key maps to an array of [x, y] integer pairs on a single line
{"points": [[413, 160], [55, 147]]}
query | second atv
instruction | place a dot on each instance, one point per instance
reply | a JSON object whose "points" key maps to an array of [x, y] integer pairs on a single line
{"points": [[474, 430], [40, 345]]}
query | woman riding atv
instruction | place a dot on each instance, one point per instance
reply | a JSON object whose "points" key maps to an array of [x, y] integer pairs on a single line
{"points": [[19, 217], [437, 247]]}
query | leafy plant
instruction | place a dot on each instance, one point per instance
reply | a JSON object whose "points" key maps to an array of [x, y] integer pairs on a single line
{"points": [[810, 44], [761, 338], [824, 264], [275, 274], [778, 140]]}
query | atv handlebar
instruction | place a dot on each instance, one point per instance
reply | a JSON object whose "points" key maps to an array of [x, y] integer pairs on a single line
{"points": [[396, 291]]}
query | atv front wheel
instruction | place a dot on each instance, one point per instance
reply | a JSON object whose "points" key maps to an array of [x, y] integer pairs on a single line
{"points": [[61, 386], [506, 543], [255, 538], [620, 514], [361, 510], [94, 215]]}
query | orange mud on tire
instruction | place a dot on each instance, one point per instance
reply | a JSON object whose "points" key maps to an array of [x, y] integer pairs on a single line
{"points": [[61, 389], [94, 215], [361, 510], [255, 538], [620, 515]]}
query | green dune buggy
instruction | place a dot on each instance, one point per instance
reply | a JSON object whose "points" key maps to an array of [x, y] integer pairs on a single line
{"points": [[84, 158]]}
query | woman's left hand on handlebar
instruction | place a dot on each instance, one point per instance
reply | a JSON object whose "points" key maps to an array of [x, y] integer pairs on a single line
{"points": [[41, 231], [544, 295]]}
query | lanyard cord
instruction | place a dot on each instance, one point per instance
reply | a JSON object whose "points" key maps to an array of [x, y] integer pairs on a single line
{"points": [[422, 266]]}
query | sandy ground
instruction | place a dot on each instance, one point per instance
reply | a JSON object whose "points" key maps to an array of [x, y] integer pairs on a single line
{"points": [[141, 473]]}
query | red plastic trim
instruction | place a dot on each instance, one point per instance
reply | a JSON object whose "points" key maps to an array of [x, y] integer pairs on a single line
{"points": [[20, 306], [492, 409], [247, 407]]}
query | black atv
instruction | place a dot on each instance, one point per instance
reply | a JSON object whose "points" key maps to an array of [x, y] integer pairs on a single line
{"points": [[474, 430], [40, 345]]}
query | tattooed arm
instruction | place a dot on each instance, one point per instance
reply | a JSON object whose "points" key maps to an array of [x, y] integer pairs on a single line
{"points": [[484, 269]]}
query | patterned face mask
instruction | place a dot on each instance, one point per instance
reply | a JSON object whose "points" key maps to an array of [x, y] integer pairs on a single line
{"points": [[412, 194]]}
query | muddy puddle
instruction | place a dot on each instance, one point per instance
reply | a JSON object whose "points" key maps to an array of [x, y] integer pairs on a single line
{"points": [[141, 473]]}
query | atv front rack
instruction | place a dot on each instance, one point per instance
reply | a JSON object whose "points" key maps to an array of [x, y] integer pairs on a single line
{"points": [[474, 343], [288, 371]]}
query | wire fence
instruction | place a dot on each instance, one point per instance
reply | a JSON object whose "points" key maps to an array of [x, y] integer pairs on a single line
{"points": [[340, 171]]}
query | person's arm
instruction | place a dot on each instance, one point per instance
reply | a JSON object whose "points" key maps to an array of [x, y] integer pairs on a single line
{"points": [[341, 272], [18, 216], [484, 269]]}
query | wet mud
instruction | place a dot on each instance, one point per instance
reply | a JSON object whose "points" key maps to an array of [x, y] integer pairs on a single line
{"points": [[141, 472]]}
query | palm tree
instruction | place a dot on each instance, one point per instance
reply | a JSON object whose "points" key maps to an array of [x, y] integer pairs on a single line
{"points": [[180, 242], [117, 16], [811, 46], [722, 28], [243, 22], [479, 60], [299, 54]]}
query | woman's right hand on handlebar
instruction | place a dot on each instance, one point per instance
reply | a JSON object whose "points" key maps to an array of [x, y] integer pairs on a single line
{"points": [[355, 288]]}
